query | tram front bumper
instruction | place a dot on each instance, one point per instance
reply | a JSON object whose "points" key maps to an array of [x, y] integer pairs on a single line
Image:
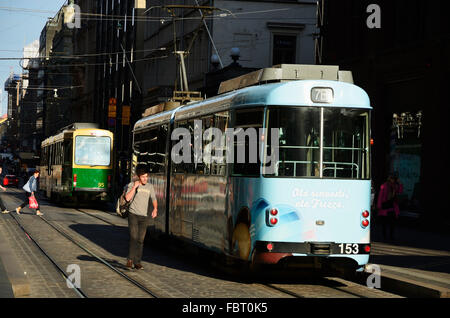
{"points": [[272, 252]]}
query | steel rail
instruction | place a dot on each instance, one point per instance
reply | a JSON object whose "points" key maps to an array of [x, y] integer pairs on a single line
{"points": [[78, 290], [101, 260], [97, 217], [267, 285], [319, 285]]}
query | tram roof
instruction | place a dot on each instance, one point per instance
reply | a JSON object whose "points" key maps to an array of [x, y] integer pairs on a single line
{"points": [[60, 136], [53, 139], [292, 93]]}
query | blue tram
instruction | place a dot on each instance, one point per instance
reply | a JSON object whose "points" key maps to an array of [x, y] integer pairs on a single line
{"points": [[304, 200]]}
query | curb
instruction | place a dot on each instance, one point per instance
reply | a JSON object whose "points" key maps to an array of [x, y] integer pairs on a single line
{"points": [[407, 287]]}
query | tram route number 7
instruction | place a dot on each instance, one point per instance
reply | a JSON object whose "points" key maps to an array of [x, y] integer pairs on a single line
{"points": [[349, 248]]}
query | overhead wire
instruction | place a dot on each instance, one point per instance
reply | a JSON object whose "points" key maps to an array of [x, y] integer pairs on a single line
{"points": [[128, 17], [102, 16], [78, 55], [107, 63], [44, 88], [107, 17]]}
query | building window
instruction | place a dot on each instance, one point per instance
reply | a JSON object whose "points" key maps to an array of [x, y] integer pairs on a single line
{"points": [[284, 49], [285, 41]]}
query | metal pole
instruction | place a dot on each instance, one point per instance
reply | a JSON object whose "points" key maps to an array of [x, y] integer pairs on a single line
{"points": [[17, 96], [321, 144], [183, 71], [209, 34]]}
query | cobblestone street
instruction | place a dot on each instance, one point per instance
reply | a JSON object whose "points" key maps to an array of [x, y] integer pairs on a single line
{"points": [[167, 273]]}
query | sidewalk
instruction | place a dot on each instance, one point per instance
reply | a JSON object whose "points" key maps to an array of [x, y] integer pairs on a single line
{"points": [[13, 280], [5, 285], [417, 262]]}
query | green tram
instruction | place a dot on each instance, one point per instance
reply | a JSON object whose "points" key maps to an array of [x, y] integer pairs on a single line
{"points": [[77, 164]]}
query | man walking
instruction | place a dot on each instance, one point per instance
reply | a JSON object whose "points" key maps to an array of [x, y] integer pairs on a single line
{"points": [[141, 194]]}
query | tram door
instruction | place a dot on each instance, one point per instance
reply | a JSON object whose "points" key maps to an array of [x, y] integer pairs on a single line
{"points": [[48, 171]]}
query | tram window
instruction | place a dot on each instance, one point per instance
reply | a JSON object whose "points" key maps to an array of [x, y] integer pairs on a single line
{"points": [[55, 153], [47, 155], [298, 144], [52, 154], [67, 145], [346, 150], [198, 165], [185, 166], [218, 153], [246, 141], [59, 153], [162, 140], [92, 151], [204, 168], [44, 156], [146, 149]]}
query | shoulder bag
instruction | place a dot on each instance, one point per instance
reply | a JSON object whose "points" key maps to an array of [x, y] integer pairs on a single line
{"points": [[123, 205]]}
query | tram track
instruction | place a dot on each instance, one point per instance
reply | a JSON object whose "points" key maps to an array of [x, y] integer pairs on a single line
{"points": [[79, 291], [300, 290], [320, 288], [323, 286], [326, 287], [101, 260], [97, 217]]}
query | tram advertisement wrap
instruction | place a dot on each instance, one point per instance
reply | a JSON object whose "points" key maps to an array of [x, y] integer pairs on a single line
{"points": [[306, 211]]}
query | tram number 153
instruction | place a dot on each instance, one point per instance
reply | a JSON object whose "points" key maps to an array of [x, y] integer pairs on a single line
{"points": [[350, 248]]}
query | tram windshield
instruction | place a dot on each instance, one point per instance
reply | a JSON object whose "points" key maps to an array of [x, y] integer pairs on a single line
{"points": [[93, 150], [345, 142]]}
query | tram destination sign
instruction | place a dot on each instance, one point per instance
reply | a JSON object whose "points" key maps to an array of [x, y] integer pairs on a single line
{"points": [[322, 95]]}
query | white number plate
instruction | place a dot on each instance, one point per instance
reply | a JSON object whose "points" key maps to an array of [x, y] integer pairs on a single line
{"points": [[351, 248], [322, 95]]}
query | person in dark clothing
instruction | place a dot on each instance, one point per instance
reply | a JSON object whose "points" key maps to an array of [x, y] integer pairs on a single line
{"points": [[388, 208], [2, 205], [140, 193]]}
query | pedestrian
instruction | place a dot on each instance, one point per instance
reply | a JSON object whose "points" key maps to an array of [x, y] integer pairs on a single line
{"points": [[30, 188], [387, 204], [2, 205], [140, 193]]}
